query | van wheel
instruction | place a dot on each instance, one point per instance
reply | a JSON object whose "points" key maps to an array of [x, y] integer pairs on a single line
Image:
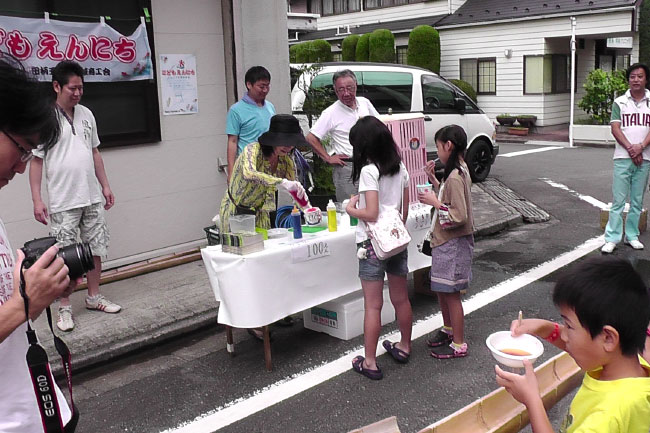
{"points": [[479, 160]]}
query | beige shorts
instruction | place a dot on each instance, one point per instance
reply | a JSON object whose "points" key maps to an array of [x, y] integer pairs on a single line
{"points": [[85, 222]]}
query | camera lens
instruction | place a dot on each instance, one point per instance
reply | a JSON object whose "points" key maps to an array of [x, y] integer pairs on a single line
{"points": [[78, 258]]}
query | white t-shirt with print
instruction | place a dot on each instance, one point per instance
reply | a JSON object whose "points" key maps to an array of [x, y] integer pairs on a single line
{"points": [[69, 167], [19, 411], [336, 122], [390, 192]]}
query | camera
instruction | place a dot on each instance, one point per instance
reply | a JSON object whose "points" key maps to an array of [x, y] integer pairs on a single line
{"points": [[77, 257]]}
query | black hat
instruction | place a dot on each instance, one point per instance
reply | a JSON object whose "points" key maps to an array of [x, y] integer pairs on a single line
{"points": [[284, 131]]}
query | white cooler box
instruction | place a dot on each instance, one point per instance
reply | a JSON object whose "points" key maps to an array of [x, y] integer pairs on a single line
{"points": [[343, 317]]}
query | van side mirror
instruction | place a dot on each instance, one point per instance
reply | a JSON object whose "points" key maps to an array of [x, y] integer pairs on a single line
{"points": [[459, 105]]}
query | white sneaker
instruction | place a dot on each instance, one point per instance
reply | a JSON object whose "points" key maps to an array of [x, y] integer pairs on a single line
{"points": [[65, 322], [635, 244], [608, 248], [100, 303]]}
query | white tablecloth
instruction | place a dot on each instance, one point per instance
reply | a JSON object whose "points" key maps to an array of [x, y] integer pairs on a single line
{"points": [[259, 288]]}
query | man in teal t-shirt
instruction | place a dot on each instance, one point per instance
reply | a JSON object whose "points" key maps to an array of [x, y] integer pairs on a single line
{"points": [[250, 117]]}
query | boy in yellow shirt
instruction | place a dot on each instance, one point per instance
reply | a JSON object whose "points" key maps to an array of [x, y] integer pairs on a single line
{"points": [[606, 310]]}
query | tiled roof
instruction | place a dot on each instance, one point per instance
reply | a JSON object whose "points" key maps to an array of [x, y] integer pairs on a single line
{"points": [[393, 26], [480, 11]]}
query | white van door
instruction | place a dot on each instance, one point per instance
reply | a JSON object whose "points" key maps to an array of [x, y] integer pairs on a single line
{"points": [[438, 107]]}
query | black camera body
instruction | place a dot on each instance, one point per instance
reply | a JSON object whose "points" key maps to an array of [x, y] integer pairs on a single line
{"points": [[77, 257]]}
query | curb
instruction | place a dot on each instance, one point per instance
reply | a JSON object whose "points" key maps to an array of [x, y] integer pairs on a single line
{"points": [[105, 353]]}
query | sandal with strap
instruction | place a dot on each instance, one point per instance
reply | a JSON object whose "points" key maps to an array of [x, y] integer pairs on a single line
{"points": [[398, 354], [357, 365], [448, 352]]}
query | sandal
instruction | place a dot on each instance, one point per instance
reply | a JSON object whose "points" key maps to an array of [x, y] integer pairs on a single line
{"points": [[440, 338], [357, 365], [447, 352], [398, 354]]}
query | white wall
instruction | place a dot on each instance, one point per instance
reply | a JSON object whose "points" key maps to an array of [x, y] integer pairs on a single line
{"points": [[527, 38], [166, 192]]}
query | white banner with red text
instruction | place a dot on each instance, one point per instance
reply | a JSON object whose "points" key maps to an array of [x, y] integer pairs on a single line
{"points": [[103, 52]]}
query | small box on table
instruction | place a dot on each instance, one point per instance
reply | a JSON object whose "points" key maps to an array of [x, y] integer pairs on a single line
{"points": [[242, 243], [343, 317], [643, 218]]}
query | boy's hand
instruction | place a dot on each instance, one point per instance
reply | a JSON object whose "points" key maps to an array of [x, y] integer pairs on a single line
{"points": [[528, 326], [524, 389]]}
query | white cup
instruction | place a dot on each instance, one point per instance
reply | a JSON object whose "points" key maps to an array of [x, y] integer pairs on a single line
{"points": [[427, 187]]}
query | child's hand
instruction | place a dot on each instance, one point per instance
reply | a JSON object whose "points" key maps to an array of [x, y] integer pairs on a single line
{"points": [[429, 198], [430, 170], [528, 326], [352, 204], [524, 389]]}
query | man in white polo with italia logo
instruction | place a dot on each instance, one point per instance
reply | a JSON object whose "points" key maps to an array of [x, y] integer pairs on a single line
{"points": [[336, 122], [630, 124]]}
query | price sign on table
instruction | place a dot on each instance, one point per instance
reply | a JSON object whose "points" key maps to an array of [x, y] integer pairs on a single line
{"points": [[309, 250]]}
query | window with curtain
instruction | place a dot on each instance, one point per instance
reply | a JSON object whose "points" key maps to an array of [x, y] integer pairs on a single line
{"points": [[375, 4], [481, 74], [400, 55], [549, 73], [127, 113], [333, 7]]}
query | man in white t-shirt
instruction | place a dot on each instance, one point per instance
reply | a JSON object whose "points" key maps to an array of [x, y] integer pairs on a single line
{"points": [[26, 119], [76, 185], [335, 122]]}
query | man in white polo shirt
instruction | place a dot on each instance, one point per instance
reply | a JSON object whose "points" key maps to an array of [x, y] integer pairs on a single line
{"points": [[76, 185], [630, 124], [336, 122]]}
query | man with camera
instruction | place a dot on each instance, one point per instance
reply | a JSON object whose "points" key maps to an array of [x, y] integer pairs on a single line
{"points": [[76, 184], [26, 119]]}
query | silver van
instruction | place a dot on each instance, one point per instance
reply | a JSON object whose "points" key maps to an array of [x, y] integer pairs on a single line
{"points": [[408, 89]]}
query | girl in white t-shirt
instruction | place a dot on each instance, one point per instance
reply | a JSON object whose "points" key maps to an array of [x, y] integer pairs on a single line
{"points": [[383, 184]]}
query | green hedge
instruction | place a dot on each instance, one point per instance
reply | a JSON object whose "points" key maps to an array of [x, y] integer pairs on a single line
{"points": [[320, 51], [382, 46], [293, 49], [302, 52], [363, 48], [465, 87], [644, 33], [424, 48], [349, 48]]}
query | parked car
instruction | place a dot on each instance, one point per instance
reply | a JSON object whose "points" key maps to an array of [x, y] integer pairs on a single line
{"points": [[408, 89]]}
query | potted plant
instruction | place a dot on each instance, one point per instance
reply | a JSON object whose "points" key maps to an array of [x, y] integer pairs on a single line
{"points": [[526, 120], [517, 130], [506, 119]]}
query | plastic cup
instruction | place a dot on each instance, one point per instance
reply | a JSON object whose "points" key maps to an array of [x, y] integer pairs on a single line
{"points": [[427, 187]]}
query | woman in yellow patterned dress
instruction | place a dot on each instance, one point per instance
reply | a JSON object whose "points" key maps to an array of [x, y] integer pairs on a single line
{"points": [[260, 169]]}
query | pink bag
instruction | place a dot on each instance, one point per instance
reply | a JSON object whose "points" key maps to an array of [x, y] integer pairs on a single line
{"points": [[388, 234]]}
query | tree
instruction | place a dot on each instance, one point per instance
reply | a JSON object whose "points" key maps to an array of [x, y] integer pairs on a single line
{"points": [[349, 48], [466, 88], [382, 46], [644, 33], [363, 48], [320, 51], [601, 89], [424, 48], [293, 49], [302, 52]]}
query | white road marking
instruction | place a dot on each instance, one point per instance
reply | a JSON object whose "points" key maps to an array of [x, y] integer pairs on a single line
{"points": [[546, 143], [246, 406], [526, 152], [589, 199]]}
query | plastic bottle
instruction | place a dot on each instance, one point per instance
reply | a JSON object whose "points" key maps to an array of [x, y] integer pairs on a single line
{"points": [[331, 216], [295, 223]]}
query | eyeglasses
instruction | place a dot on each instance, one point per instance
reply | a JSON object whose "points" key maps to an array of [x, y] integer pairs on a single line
{"points": [[25, 155], [349, 89]]}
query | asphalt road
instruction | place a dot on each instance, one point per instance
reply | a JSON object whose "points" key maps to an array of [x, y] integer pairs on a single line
{"points": [[193, 378]]}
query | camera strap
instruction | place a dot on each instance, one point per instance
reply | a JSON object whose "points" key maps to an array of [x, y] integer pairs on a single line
{"points": [[42, 379]]}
